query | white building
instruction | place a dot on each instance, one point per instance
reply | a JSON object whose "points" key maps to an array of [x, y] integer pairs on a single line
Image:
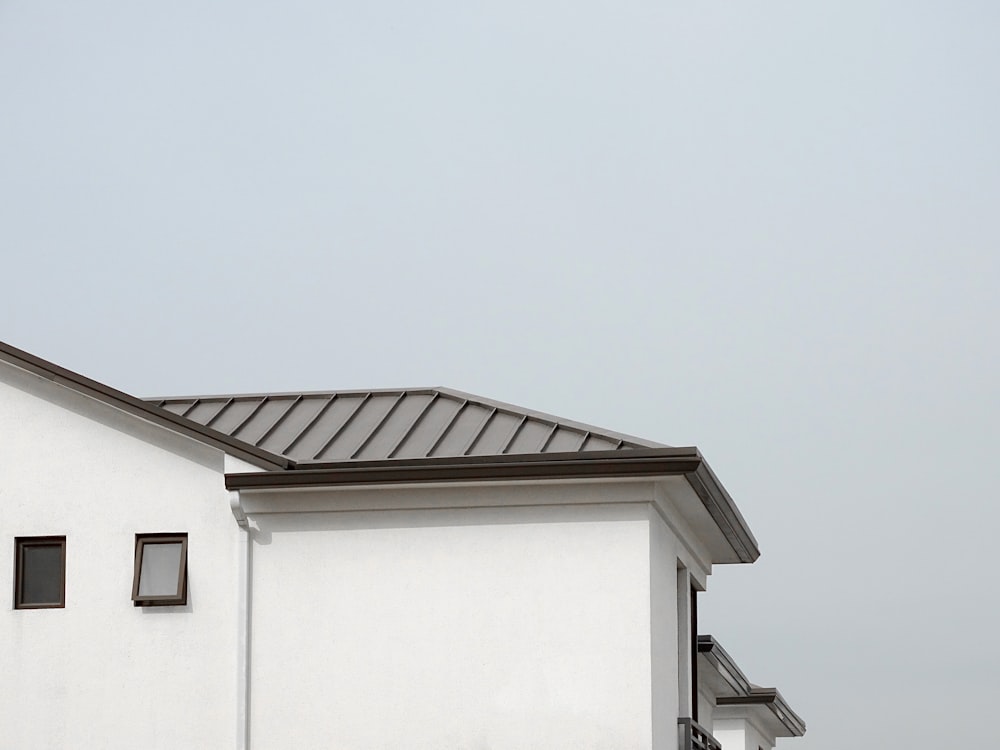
{"points": [[418, 569]]}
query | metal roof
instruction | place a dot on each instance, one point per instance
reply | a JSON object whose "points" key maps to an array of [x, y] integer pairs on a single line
{"points": [[382, 424]]}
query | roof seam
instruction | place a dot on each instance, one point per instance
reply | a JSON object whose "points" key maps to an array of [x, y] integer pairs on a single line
{"points": [[375, 427], [548, 438], [447, 427], [339, 430], [413, 425], [322, 410], [248, 417], [512, 435], [218, 412], [483, 423], [280, 418]]}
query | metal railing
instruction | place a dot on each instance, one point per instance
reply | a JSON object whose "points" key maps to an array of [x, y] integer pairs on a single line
{"points": [[693, 736]]}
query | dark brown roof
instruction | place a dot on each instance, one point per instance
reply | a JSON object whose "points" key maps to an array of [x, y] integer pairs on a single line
{"points": [[382, 424]]}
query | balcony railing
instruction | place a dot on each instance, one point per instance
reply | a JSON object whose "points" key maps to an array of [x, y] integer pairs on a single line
{"points": [[693, 736]]}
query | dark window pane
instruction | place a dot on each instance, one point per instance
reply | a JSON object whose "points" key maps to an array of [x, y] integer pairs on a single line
{"points": [[41, 574], [160, 572]]}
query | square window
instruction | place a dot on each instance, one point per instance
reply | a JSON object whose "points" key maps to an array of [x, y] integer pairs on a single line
{"points": [[39, 572], [160, 576]]}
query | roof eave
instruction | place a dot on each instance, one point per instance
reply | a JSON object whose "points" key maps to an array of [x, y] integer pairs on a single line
{"points": [[635, 463], [771, 699], [727, 667], [724, 512]]}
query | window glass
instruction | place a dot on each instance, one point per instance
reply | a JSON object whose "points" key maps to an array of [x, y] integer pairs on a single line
{"points": [[40, 573], [160, 576], [160, 569]]}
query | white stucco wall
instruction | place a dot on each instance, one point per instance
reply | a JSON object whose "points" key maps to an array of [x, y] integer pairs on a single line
{"points": [[741, 733], [490, 627], [101, 673], [706, 709], [663, 633]]}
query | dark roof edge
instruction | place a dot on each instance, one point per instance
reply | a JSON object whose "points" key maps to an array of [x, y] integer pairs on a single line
{"points": [[773, 700], [639, 462], [719, 657], [137, 407], [720, 505], [509, 467], [750, 694]]}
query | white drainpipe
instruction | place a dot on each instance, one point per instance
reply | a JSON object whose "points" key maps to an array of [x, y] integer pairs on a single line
{"points": [[244, 586]]}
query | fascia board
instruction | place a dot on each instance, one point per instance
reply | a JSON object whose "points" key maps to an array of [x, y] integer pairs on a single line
{"points": [[714, 654], [626, 498], [724, 512], [785, 722], [640, 463]]}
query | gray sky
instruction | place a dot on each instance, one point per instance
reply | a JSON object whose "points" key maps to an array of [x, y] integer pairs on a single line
{"points": [[767, 228]]}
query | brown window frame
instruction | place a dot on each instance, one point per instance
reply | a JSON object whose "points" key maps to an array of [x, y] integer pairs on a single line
{"points": [[178, 599], [20, 542]]}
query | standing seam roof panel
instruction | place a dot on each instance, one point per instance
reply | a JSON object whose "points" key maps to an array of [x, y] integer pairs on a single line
{"points": [[372, 425], [382, 442], [422, 438], [291, 424]]}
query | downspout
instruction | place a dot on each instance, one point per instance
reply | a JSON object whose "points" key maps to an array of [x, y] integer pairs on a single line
{"points": [[694, 652], [244, 584]]}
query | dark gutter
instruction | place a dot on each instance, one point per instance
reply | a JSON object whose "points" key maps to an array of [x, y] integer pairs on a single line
{"points": [[756, 696], [748, 693], [724, 511], [719, 658], [772, 699], [574, 465], [691, 455], [137, 407], [615, 464]]}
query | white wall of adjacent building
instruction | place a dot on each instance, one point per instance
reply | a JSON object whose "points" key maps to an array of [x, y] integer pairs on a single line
{"points": [[101, 673], [706, 707], [741, 734]]}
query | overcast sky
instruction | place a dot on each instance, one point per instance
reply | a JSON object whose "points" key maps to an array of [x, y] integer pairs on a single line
{"points": [[769, 229]]}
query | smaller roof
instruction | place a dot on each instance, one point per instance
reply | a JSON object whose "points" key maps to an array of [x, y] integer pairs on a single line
{"points": [[739, 691], [372, 425]]}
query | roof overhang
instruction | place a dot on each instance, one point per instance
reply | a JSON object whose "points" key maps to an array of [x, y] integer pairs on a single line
{"points": [[137, 407], [737, 697], [727, 677], [641, 463], [776, 712]]}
